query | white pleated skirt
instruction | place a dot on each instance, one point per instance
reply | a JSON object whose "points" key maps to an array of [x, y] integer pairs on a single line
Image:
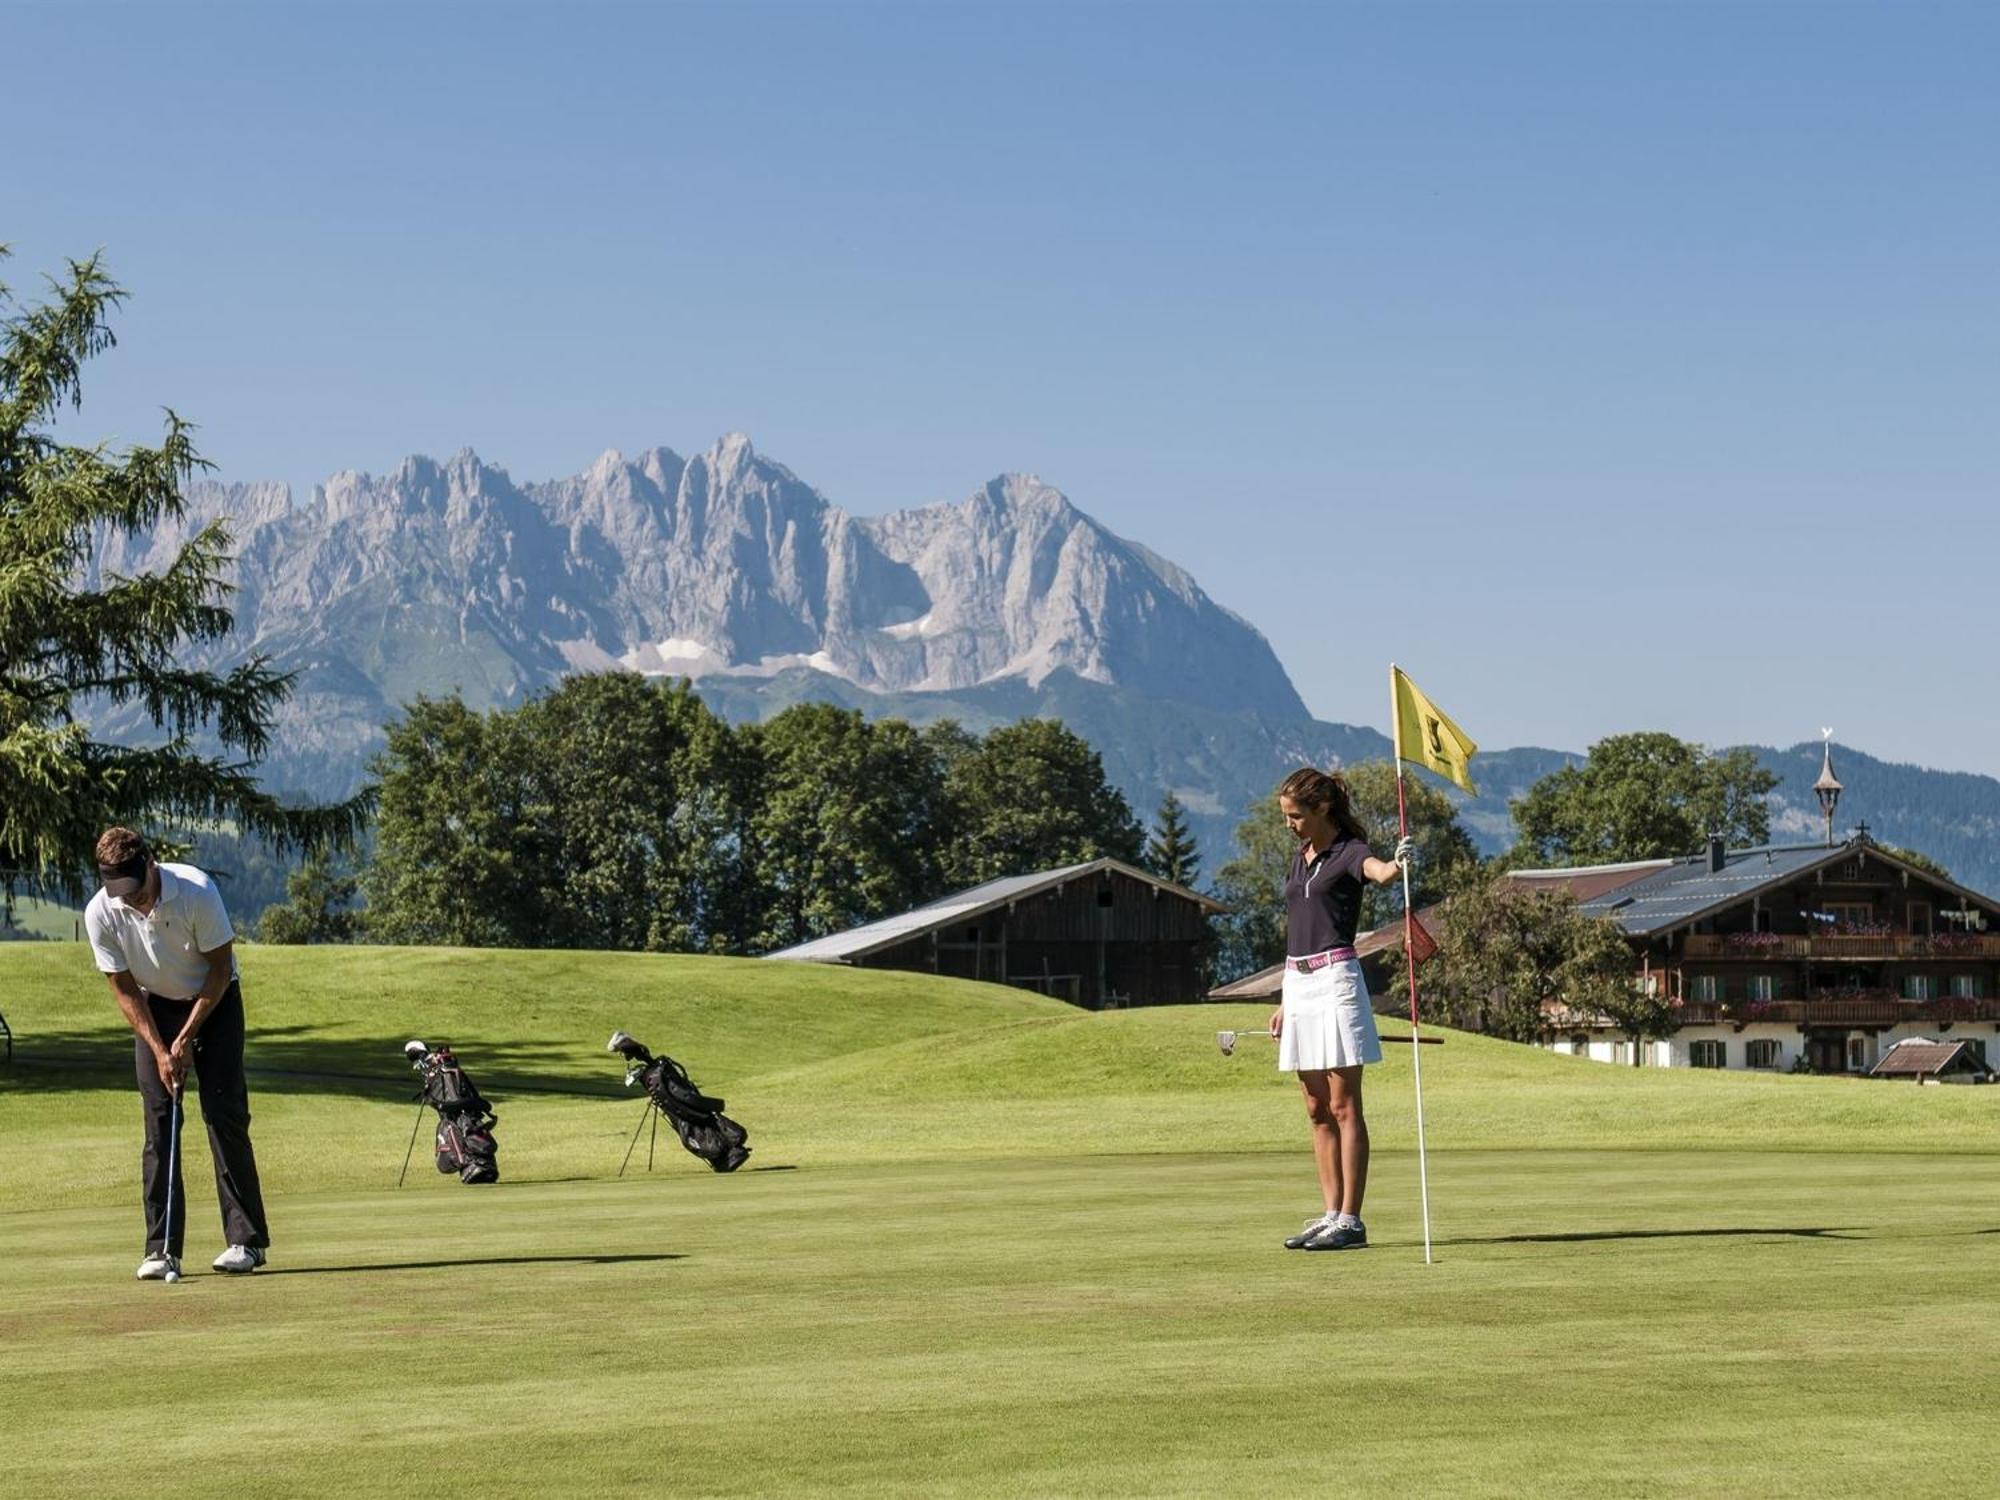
{"points": [[1328, 1020]]}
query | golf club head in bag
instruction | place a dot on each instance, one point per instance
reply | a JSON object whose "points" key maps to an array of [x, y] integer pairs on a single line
{"points": [[697, 1118], [465, 1142]]}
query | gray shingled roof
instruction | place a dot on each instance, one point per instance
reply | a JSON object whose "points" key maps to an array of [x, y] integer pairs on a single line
{"points": [[858, 942], [1687, 888]]}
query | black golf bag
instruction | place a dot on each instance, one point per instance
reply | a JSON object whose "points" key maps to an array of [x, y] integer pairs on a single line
{"points": [[696, 1117], [465, 1143]]}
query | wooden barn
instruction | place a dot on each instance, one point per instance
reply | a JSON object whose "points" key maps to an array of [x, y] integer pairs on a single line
{"points": [[1098, 934]]}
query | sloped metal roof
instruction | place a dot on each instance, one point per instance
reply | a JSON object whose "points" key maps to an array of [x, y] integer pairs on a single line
{"points": [[871, 937], [1265, 984], [1587, 882], [1687, 888]]}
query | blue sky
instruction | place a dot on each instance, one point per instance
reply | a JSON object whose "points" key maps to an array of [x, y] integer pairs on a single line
{"points": [[1611, 366]]}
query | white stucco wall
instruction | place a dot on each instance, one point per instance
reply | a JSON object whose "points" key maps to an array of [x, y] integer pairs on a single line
{"points": [[1676, 1050]]}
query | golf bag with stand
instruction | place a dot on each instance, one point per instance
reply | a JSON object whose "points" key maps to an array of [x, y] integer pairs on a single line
{"points": [[465, 1143], [698, 1119]]}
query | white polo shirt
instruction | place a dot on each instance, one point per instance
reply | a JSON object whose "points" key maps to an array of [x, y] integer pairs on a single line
{"points": [[163, 949]]}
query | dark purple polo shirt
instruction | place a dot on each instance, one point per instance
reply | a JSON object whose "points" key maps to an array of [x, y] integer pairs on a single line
{"points": [[1323, 899]]}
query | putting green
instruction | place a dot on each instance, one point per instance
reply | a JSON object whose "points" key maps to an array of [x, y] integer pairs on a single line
{"points": [[986, 1246]]}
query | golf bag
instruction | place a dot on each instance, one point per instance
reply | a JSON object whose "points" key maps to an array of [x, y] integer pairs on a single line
{"points": [[465, 1143], [696, 1117]]}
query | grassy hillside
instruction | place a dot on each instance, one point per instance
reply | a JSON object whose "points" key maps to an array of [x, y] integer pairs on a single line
{"points": [[828, 1066]]}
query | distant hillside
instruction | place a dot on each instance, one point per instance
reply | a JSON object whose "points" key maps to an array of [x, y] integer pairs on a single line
{"points": [[1952, 816], [729, 569]]}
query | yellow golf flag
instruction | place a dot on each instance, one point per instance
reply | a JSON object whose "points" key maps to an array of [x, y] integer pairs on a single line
{"points": [[1424, 736]]}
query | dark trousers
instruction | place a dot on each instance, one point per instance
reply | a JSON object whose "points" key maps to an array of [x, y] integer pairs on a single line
{"points": [[225, 1109]]}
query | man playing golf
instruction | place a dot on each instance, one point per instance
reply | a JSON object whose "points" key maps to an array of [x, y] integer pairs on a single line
{"points": [[1324, 1023], [161, 938]]}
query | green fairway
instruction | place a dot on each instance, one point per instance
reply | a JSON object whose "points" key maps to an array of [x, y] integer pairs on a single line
{"points": [[986, 1245]]}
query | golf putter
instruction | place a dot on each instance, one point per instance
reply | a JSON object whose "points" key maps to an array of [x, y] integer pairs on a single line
{"points": [[1225, 1041], [173, 1168]]}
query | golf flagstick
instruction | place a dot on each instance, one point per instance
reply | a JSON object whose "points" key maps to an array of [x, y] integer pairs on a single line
{"points": [[1410, 964]]}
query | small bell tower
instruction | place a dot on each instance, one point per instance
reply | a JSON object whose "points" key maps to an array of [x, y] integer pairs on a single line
{"points": [[1828, 787]]}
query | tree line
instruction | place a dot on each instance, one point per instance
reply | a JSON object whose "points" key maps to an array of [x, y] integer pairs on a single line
{"points": [[616, 811]]}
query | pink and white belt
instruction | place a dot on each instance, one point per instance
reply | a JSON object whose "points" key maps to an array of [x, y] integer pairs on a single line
{"points": [[1320, 960]]}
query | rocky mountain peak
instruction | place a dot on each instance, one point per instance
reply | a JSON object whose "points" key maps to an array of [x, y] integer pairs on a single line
{"points": [[450, 576]]}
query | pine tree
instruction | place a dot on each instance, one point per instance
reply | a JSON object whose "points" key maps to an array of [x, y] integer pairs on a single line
{"points": [[74, 644], [1170, 852]]}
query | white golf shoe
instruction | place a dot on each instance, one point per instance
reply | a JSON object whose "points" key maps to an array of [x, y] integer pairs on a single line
{"points": [[156, 1265], [239, 1260], [1323, 1224]]}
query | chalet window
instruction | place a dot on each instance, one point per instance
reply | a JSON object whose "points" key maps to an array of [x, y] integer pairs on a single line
{"points": [[1851, 913], [1857, 1055], [1919, 987], [1763, 987], [1851, 870], [1920, 918], [1708, 1054], [1763, 1054], [1965, 986], [1104, 898], [1703, 987], [1761, 922], [1579, 1044]]}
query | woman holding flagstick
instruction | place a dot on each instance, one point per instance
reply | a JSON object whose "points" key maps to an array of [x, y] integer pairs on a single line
{"points": [[1325, 1025]]}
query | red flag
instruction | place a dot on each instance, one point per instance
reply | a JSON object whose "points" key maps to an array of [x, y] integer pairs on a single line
{"points": [[1420, 943]]}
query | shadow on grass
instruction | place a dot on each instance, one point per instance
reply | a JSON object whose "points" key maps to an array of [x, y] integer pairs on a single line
{"points": [[1588, 1235], [477, 1260], [297, 1060]]}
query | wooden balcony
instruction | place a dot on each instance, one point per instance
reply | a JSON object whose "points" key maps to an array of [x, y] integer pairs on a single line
{"points": [[1868, 1008], [1765, 947]]}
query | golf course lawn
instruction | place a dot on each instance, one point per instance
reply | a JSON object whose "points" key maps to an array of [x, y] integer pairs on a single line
{"points": [[986, 1245]]}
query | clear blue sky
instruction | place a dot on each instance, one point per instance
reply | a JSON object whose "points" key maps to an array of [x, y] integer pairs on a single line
{"points": [[1653, 347]]}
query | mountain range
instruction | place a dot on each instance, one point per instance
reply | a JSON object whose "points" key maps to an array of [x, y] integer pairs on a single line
{"points": [[728, 569]]}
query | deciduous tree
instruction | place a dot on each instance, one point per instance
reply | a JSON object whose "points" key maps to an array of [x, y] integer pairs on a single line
{"points": [[1032, 796], [1251, 883], [318, 907], [845, 821], [1642, 796], [1447, 859], [455, 847], [1507, 954]]}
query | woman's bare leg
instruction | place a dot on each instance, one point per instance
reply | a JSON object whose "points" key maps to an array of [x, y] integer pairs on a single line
{"points": [[1327, 1151], [1344, 1104]]}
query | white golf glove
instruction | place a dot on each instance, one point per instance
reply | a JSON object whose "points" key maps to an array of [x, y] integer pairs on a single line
{"points": [[1406, 855]]}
